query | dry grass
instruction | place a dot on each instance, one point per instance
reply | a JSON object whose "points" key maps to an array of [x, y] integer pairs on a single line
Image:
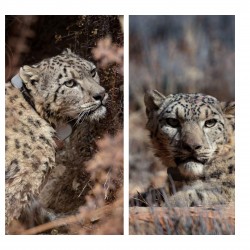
{"points": [[195, 220]]}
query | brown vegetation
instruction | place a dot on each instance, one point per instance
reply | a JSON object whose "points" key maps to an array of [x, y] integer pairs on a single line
{"points": [[195, 220]]}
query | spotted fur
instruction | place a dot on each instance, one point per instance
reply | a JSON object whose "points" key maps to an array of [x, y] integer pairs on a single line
{"points": [[57, 90], [193, 135]]}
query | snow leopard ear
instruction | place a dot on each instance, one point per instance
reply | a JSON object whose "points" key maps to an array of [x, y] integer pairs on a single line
{"points": [[29, 74], [67, 51], [153, 100], [228, 109]]}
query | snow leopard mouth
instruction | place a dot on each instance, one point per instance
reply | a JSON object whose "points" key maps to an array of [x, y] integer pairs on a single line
{"points": [[96, 108], [190, 166], [179, 160], [98, 112]]}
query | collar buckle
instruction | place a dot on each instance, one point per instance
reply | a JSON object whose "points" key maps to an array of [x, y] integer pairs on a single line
{"points": [[17, 81]]}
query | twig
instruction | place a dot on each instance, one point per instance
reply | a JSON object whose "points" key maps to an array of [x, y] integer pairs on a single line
{"points": [[98, 213]]}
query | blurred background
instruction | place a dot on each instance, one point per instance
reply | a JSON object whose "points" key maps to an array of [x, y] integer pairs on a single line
{"points": [[174, 54]]}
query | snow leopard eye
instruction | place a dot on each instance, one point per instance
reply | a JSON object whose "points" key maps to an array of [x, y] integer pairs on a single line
{"points": [[210, 123], [172, 122], [71, 83], [93, 72]]}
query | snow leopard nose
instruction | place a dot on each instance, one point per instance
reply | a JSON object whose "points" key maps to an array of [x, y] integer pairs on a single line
{"points": [[193, 146], [191, 142], [99, 96], [192, 138]]}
